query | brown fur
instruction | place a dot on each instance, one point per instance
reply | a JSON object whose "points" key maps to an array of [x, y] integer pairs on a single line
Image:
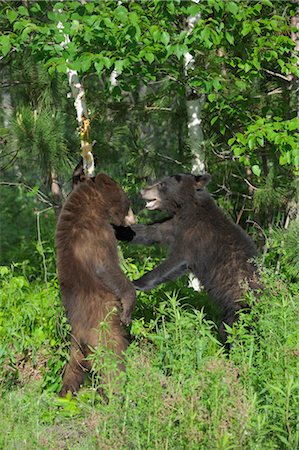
{"points": [[92, 283]]}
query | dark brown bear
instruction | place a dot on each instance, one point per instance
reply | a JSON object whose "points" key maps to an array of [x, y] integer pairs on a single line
{"points": [[92, 283], [200, 239]]}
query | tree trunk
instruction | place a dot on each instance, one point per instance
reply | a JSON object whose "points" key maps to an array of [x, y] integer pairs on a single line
{"points": [[78, 94], [194, 105]]}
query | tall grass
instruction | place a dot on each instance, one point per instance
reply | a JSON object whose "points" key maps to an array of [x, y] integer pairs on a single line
{"points": [[181, 389]]}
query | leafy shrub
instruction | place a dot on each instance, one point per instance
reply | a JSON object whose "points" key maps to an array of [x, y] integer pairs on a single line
{"points": [[32, 326]]}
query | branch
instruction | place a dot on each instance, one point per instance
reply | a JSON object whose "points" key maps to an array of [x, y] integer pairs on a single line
{"points": [[40, 195], [156, 108], [168, 158], [279, 75]]}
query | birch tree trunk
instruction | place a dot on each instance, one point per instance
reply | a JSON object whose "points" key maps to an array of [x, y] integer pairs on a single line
{"points": [[78, 94], [6, 103], [194, 105]]}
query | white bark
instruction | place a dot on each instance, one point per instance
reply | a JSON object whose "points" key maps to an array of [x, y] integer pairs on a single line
{"points": [[78, 94], [194, 109], [6, 103], [194, 106]]}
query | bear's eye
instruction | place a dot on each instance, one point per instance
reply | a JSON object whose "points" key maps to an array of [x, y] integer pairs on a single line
{"points": [[162, 186]]}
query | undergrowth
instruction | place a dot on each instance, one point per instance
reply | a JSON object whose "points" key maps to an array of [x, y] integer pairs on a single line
{"points": [[181, 388]]}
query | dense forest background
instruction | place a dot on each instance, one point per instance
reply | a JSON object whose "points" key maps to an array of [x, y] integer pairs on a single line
{"points": [[170, 86]]}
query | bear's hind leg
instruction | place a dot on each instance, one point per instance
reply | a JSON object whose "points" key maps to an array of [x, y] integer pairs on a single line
{"points": [[74, 372]]}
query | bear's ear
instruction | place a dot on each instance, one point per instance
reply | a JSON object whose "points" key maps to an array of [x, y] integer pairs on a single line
{"points": [[202, 180], [103, 180], [78, 174]]}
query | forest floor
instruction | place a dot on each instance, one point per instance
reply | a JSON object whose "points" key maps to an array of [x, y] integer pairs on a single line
{"points": [[181, 390]]}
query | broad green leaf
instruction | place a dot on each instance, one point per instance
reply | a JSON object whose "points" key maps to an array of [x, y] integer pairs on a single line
{"points": [[194, 9], [232, 7], [164, 37], [256, 170], [251, 142], [211, 98], [5, 44], [121, 13], [12, 15], [229, 38], [119, 66], [23, 11], [99, 65], [149, 57], [246, 28], [108, 23]]}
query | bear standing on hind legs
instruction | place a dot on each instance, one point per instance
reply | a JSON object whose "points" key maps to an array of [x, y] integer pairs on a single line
{"points": [[93, 286], [201, 239]]}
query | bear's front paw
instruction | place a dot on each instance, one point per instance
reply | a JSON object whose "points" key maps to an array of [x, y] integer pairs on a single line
{"points": [[125, 317], [140, 284]]}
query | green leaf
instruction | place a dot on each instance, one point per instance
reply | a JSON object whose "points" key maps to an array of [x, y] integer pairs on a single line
{"points": [[121, 13], [149, 57], [119, 66], [214, 119], [211, 98], [165, 37], [194, 9], [23, 11], [246, 28], [5, 44], [12, 15], [230, 38], [108, 23], [251, 142], [256, 170], [232, 7], [238, 151]]}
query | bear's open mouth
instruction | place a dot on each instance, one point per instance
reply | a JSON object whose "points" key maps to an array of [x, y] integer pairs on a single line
{"points": [[152, 204]]}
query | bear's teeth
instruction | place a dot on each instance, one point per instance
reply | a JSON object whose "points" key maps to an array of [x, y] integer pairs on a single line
{"points": [[151, 204]]}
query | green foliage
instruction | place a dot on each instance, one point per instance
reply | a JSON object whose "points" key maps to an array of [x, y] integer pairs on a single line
{"points": [[181, 390], [247, 48], [281, 136], [284, 251], [30, 329], [40, 135]]}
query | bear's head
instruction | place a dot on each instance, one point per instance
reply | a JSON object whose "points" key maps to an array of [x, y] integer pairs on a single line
{"points": [[115, 200], [171, 193]]}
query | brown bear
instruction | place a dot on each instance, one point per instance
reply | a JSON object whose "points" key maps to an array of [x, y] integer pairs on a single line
{"points": [[201, 239], [92, 284]]}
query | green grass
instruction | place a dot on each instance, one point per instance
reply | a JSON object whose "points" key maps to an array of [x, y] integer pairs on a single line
{"points": [[181, 389]]}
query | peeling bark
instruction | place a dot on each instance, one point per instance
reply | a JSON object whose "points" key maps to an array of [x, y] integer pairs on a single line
{"points": [[78, 94], [194, 105]]}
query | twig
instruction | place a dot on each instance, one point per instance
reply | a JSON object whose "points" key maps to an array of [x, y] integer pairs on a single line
{"points": [[279, 75], [40, 195], [262, 231], [156, 108], [246, 181], [168, 158], [275, 91]]}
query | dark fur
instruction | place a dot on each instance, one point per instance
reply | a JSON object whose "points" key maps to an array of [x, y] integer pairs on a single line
{"points": [[92, 283], [201, 239]]}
